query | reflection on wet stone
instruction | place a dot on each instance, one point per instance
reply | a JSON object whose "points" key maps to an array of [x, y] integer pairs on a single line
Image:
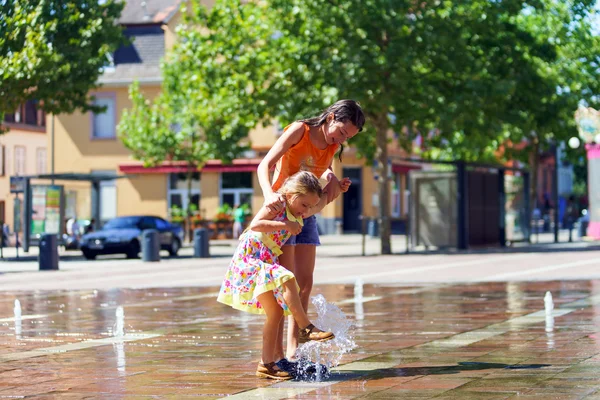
{"points": [[464, 341]]}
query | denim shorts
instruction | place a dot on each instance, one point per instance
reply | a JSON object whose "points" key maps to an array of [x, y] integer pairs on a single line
{"points": [[309, 234]]}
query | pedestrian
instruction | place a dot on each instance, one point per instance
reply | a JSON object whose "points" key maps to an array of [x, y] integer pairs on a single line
{"points": [[238, 220], [571, 216], [255, 282], [311, 145], [5, 234], [89, 228], [73, 228]]}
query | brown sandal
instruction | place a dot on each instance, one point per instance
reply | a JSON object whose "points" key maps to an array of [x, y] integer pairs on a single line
{"points": [[271, 371], [307, 335]]}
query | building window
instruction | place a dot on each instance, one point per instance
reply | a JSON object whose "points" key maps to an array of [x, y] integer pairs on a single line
{"points": [[41, 160], [236, 188], [103, 124], [19, 160], [71, 207], [178, 190], [31, 113], [108, 196], [108, 200], [27, 114]]}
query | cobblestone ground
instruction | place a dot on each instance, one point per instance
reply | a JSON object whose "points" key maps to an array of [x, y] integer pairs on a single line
{"points": [[446, 341]]}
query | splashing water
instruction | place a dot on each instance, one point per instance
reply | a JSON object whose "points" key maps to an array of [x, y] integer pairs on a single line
{"points": [[548, 303], [120, 353], [359, 311], [358, 289], [325, 355], [358, 299], [119, 330], [18, 322], [548, 307]]}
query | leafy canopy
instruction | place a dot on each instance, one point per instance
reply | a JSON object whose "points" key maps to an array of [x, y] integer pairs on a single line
{"points": [[53, 51]]}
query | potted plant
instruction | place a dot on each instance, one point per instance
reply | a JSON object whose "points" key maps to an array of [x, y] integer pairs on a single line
{"points": [[176, 215], [247, 214], [224, 222], [195, 216]]}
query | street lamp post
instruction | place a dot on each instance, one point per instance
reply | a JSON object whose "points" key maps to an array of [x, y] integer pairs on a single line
{"points": [[588, 124]]}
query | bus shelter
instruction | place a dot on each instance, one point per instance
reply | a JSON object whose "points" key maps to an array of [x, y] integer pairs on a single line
{"points": [[44, 203], [468, 205]]}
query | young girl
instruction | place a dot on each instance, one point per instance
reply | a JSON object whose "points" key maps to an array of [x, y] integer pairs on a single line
{"points": [[308, 145], [256, 283]]}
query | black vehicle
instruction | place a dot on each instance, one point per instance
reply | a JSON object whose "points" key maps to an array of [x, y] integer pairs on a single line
{"points": [[123, 235]]}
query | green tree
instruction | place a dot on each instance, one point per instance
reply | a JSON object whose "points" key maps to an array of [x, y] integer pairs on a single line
{"points": [[556, 69], [54, 51], [448, 68], [464, 70], [543, 109], [200, 114]]}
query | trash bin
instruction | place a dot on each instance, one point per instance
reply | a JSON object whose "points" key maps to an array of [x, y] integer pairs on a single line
{"points": [[201, 249], [150, 245], [583, 225], [48, 256]]}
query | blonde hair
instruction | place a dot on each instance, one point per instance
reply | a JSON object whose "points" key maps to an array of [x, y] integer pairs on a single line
{"points": [[300, 183]]}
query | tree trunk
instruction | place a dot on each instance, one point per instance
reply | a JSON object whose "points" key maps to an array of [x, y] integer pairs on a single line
{"points": [[534, 160], [381, 155]]}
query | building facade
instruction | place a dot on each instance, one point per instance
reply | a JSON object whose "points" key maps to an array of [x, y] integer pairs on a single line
{"points": [[22, 152]]}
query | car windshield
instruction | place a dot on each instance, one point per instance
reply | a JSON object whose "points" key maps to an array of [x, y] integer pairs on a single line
{"points": [[122, 223]]}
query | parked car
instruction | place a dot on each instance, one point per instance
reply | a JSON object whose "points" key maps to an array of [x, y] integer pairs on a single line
{"points": [[123, 235]]}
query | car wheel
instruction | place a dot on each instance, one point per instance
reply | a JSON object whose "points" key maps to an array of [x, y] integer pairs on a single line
{"points": [[89, 255], [175, 246], [133, 250]]}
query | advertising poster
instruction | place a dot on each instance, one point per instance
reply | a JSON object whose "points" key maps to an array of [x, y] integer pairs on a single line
{"points": [[52, 214], [45, 204], [38, 206]]}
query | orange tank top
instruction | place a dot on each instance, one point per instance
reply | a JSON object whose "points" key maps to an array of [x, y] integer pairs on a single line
{"points": [[303, 156]]}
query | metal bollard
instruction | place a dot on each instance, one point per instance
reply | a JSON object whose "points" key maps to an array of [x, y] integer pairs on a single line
{"points": [[363, 231], [373, 227], [339, 228], [48, 255], [150, 245], [201, 248]]}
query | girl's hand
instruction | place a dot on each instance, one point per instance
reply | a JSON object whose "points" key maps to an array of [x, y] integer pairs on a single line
{"points": [[293, 227], [332, 189], [275, 203], [345, 184]]}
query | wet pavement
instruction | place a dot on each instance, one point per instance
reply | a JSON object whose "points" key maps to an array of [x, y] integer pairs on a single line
{"points": [[489, 340]]}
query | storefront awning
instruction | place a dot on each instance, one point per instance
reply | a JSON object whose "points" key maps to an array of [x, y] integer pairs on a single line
{"points": [[404, 168], [239, 165]]}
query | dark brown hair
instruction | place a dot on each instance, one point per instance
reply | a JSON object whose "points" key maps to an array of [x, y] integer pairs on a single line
{"points": [[343, 111]]}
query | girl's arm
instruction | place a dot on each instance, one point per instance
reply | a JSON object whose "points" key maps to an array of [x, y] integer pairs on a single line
{"points": [[263, 222], [320, 205], [332, 189], [289, 138]]}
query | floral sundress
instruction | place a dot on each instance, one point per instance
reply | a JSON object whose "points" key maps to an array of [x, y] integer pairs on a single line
{"points": [[254, 269]]}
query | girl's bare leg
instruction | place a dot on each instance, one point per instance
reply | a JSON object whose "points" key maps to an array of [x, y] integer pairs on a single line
{"points": [[274, 317], [304, 262], [287, 260], [292, 299]]}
